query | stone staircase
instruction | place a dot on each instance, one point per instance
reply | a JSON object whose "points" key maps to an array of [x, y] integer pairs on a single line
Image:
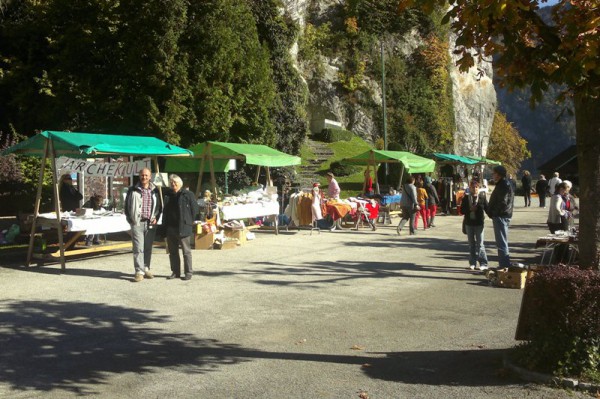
{"points": [[307, 174]]}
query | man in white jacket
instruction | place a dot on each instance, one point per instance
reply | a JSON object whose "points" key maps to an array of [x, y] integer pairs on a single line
{"points": [[552, 183]]}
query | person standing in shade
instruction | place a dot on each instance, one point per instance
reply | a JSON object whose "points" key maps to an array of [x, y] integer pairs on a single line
{"points": [[500, 210], [409, 205], [473, 208], [68, 195], [142, 210], [541, 188], [179, 214], [526, 182], [558, 214], [552, 183]]}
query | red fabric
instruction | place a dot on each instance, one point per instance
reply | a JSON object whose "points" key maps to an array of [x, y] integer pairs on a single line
{"points": [[423, 212], [373, 210]]}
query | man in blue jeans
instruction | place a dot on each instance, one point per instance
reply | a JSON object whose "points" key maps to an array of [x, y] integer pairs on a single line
{"points": [[500, 210]]}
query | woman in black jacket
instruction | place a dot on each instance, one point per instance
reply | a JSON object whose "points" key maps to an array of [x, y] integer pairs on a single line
{"points": [[473, 207], [68, 195]]}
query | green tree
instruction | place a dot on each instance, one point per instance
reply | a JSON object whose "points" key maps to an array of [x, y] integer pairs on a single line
{"points": [[231, 86], [529, 51], [278, 31], [506, 144]]}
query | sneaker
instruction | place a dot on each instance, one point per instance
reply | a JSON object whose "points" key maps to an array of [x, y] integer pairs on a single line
{"points": [[148, 274], [138, 277], [332, 228], [483, 267], [471, 267]]}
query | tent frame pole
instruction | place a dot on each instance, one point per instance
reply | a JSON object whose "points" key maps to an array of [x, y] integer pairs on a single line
{"points": [[201, 172], [61, 240], [36, 207]]}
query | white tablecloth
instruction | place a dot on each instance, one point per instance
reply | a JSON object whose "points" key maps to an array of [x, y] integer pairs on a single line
{"points": [[92, 224], [244, 211]]}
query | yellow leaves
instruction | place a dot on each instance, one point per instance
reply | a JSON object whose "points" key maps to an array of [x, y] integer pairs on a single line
{"points": [[351, 25], [549, 67]]}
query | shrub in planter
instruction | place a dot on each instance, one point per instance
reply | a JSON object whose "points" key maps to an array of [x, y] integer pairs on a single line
{"points": [[339, 169], [563, 326], [332, 135]]}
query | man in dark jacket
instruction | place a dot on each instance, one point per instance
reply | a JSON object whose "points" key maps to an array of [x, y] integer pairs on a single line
{"points": [[541, 188], [180, 210], [500, 210]]}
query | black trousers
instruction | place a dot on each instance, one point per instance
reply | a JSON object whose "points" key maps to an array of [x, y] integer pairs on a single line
{"points": [[173, 242]]}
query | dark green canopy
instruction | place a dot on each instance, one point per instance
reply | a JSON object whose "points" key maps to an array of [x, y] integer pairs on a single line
{"points": [[90, 145], [451, 158]]}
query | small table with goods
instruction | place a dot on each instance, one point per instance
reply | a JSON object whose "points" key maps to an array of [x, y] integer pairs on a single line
{"points": [[562, 244], [96, 222]]}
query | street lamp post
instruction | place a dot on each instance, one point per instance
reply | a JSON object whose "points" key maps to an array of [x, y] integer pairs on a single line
{"points": [[384, 109]]}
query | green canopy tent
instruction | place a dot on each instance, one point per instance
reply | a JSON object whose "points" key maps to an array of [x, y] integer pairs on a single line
{"points": [[211, 153], [484, 161], [410, 162], [453, 160], [50, 144]]}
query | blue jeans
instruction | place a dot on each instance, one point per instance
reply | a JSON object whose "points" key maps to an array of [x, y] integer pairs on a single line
{"points": [[501, 235], [476, 245]]}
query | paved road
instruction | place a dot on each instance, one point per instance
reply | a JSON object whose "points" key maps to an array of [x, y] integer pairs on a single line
{"points": [[328, 315]]}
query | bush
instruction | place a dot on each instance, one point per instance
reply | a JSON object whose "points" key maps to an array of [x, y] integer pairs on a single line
{"points": [[332, 135], [339, 169], [562, 305]]}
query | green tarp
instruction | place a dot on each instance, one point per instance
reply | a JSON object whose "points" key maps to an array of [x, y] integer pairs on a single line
{"points": [[484, 160], [252, 154], [89, 145], [451, 158], [412, 163]]}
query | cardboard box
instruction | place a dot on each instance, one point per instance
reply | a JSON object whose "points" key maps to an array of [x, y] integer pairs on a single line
{"points": [[510, 279], [227, 244], [239, 235], [204, 241]]}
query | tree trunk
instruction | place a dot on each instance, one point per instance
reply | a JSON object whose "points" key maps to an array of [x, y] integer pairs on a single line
{"points": [[587, 111]]}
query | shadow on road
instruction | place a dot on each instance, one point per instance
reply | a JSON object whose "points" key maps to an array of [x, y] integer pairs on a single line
{"points": [[73, 346], [76, 346]]}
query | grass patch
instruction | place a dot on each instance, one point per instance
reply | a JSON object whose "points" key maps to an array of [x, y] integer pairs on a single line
{"points": [[307, 154], [350, 185]]}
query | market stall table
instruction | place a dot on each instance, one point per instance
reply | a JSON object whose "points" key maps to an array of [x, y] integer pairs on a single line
{"points": [[252, 211], [551, 242], [97, 223]]}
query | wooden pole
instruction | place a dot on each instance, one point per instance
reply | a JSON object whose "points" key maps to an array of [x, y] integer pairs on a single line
{"points": [[201, 172], [372, 162], [269, 181], [155, 159], [213, 180], [401, 175], [257, 174], [61, 241], [36, 207]]}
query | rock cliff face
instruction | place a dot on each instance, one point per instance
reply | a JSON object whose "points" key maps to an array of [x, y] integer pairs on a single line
{"points": [[474, 96]]}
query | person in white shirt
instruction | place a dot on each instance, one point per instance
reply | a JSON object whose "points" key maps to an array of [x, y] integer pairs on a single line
{"points": [[552, 183]]}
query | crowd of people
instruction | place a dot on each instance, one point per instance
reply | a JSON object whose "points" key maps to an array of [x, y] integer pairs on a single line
{"points": [[420, 200]]}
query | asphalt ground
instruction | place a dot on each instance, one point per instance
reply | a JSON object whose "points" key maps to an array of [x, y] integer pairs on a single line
{"points": [[299, 315]]}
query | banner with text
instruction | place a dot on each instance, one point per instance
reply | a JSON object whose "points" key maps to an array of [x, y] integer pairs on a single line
{"points": [[106, 169]]}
